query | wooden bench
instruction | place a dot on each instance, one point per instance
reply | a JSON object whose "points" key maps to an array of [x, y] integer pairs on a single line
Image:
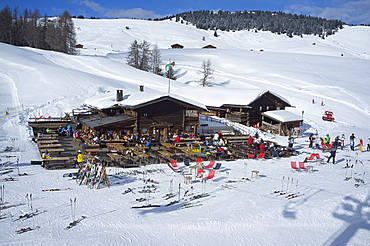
{"points": [[55, 160], [54, 151], [51, 141], [49, 146], [115, 156]]}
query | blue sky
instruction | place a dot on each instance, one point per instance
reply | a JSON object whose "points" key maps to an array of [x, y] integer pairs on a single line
{"points": [[355, 11]]}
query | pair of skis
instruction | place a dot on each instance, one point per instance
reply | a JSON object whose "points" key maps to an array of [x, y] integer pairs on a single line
{"points": [[57, 189]]}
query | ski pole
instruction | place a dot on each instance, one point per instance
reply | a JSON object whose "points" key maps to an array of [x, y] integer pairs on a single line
{"points": [[28, 202], [282, 184], [179, 190], [31, 203], [287, 183], [72, 210]]}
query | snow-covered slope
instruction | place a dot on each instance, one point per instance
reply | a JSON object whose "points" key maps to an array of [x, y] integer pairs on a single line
{"points": [[335, 71]]}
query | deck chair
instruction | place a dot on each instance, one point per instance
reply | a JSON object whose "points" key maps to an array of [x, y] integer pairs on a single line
{"points": [[199, 173], [294, 166], [301, 166], [173, 166], [217, 167], [311, 157], [211, 163], [250, 156], [199, 160], [211, 174]]}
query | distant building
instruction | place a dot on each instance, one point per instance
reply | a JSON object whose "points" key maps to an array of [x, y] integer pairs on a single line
{"points": [[177, 46], [210, 46], [79, 46]]}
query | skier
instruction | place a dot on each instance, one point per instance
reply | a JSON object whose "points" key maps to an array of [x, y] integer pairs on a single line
{"points": [[322, 103], [352, 141], [290, 141], [79, 158], [368, 144], [311, 138], [361, 144], [332, 152], [313, 101], [342, 141], [327, 139]]}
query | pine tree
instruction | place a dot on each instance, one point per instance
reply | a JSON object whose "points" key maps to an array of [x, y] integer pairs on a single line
{"points": [[133, 56]]}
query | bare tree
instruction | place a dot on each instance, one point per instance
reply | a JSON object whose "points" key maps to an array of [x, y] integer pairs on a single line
{"points": [[156, 60], [206, 72]]}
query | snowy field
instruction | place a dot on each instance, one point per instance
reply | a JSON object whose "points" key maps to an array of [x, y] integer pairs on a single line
{"points": [[330, 210]]}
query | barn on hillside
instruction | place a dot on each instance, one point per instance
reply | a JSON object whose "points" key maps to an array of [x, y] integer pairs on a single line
{"points": [[177, 46], [210, 46]]}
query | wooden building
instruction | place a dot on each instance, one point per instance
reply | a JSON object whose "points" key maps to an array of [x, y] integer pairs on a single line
{"points": [[79, 46], [210, 46], [167, 114], [250, 113], [177, 46], [281, 122]]}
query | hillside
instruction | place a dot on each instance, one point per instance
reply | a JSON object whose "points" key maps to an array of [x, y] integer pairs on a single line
{"points": [[335, 70]]}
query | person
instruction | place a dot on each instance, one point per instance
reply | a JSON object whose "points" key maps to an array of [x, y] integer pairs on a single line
{"points": [[290, 141], [311, 138], [79, 158], [332, 153], [342, 141], [177, 139], [250, 140], [215, 137], [352, 141], [69, 129], [148, 144], [221, 142], [46, 155], [322, 103], [368, 144], [327, 140], [262, 147], [361, 144], [313, 100]]}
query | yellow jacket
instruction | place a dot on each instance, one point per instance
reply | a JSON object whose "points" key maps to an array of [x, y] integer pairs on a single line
{"points": [[79, 157]]}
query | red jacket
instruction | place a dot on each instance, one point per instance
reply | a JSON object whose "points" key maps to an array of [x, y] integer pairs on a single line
{"points": [[262, 147]]}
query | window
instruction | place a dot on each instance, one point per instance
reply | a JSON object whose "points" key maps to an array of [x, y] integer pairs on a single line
{"points": [[267, 108], [191, 113], [261, 108]]}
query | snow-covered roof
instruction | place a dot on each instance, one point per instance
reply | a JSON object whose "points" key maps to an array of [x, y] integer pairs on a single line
{"points": [[134, 100], [282, 116]]}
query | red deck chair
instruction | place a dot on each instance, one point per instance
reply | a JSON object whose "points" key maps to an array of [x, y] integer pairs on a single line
{"points": [[311, 157], [211, 174], [294, 166], [250, 156], [301, 166], [199, 173], [173, 165], [211, 163], [199, 160], [261, 156]]}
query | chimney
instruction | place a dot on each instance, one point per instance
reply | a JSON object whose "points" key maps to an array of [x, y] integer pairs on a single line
{"points": [[119, 95]]}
